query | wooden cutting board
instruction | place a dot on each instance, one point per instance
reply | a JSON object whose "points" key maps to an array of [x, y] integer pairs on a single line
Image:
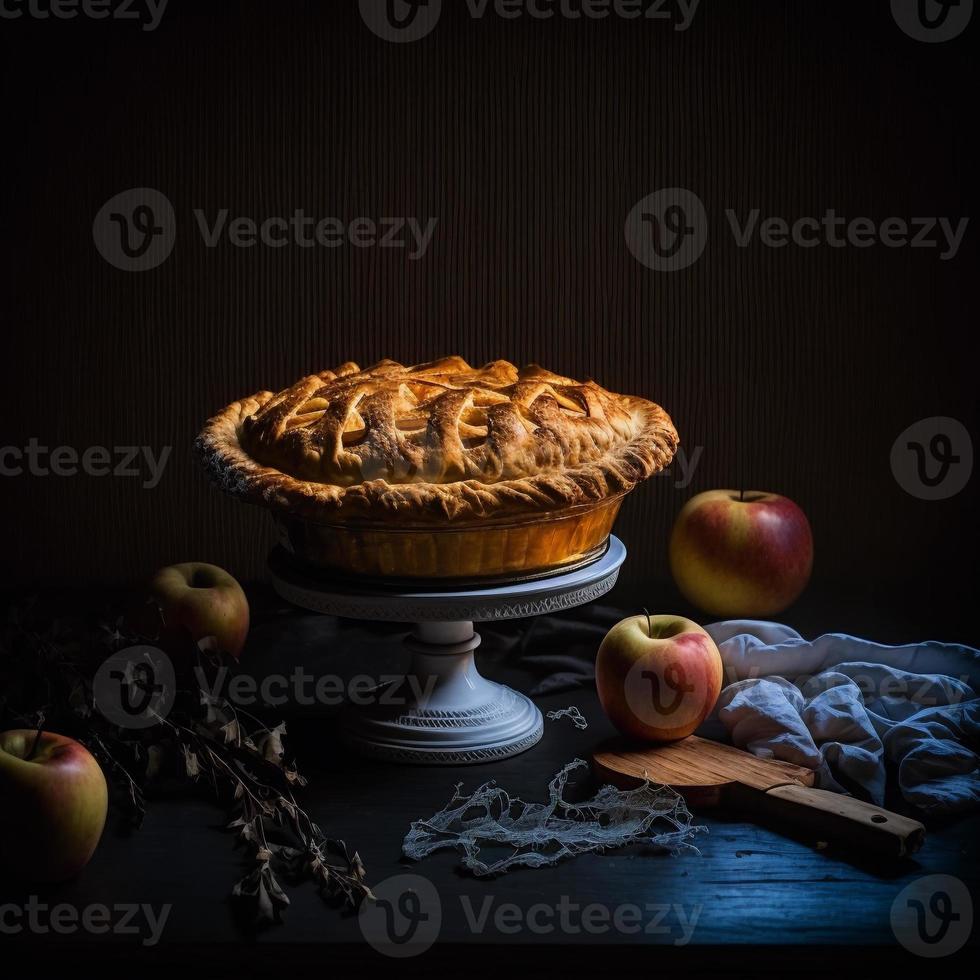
{"points": [[709, 774]]}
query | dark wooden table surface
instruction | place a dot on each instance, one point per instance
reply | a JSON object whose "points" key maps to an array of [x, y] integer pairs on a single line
{"points": [[749, 887]]}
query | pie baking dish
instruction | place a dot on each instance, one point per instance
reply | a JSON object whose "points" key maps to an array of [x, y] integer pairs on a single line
{"points": [[438, 471]]}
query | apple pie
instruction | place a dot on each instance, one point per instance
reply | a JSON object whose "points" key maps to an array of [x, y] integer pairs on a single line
{"points": [[441, 470]]}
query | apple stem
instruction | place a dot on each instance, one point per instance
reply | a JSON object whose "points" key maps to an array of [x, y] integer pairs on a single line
{"points": [[741, 495], [37, 740], [649, 622]]}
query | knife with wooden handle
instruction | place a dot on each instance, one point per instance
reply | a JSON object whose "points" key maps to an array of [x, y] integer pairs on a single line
{"points": [[710, 774]]}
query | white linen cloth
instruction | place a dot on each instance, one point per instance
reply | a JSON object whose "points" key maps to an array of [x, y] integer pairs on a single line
{"points": [[847, 707]]}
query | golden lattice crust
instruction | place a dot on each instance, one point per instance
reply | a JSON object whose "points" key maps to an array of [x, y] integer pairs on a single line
{"points": [[439, 441]]}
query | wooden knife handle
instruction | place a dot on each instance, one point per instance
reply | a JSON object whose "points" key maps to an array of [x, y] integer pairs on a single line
{"points": [[832, 816]]}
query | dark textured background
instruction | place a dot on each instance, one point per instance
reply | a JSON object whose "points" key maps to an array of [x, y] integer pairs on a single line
{"points": [[794, 369]]}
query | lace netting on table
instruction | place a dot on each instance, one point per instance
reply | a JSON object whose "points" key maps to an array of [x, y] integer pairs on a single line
{"points": [[540, 834]]}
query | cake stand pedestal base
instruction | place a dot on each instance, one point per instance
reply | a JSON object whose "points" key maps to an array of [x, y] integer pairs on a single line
{"points": [[443, 711], [448, 712]]}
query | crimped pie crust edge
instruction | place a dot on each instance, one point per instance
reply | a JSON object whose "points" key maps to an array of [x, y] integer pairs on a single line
{"points": [[379, 502]]}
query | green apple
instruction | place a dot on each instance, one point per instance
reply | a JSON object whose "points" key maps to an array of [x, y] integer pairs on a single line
{"points": [[206, 600], [54, 803]]}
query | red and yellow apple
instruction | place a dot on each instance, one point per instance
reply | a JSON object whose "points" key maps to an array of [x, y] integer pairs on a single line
{"points": [[54, 805], [741, 554], [206, 600], [658, 677]]}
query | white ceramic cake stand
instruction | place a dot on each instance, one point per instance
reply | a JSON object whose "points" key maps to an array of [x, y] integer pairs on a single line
{"points": [[461, 717]]}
